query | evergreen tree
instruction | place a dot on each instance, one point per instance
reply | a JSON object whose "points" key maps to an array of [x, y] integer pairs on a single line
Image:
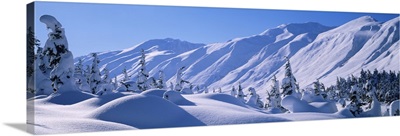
{"points": [[126, 76], [273, 96], [95, 77], [254, 99], [80, 78], [106, 86], [58, 63], [143, 75], [171, 86], [355, 102], [106, 77], [240, 95], [84, 82], [116, 82], [32, 42], [317, 87], [179, 81], [233, 91], [161, 81], [289, 83]]}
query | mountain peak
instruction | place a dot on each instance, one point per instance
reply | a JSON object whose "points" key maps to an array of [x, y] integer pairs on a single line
{"points": [[367, 18], [362, 20], [298, 28]]}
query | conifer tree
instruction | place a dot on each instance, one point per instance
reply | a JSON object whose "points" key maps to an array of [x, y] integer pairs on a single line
{"points": [[58, 63], [273, 96], [233, 91], [240, 95], [179, 81], [143, 75], [126, 76], [161, 81], [95, 76], [289, 83]]}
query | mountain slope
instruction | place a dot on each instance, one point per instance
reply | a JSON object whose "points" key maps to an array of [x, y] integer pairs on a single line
{"points": [[315, 52], [346, 49]]}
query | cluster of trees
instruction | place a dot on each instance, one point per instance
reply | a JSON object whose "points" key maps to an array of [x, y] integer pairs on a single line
{"points": [[289, 87], [385, 86], [354, 93], [361, 91]]}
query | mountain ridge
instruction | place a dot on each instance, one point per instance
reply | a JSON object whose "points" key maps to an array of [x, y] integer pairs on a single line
{"points": [[316, 52]]}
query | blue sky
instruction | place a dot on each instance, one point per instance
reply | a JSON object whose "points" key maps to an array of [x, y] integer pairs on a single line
{"points": [[105, 27]]}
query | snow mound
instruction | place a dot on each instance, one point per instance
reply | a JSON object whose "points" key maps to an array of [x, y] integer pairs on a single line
{"points": [[223, 98], [177, 98], [345, 113], [67, 98], [221, 109], [274, 110], [309, 96], [141, 111], [101, 100], [295, 105], [69, 125], [154, 92], [325, 107]]}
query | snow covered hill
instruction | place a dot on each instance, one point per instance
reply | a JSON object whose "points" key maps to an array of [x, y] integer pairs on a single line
{"points": [[362, 43], [315, 51]]}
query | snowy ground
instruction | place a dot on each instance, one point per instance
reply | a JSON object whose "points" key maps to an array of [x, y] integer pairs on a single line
{"points": [[81, 112]]}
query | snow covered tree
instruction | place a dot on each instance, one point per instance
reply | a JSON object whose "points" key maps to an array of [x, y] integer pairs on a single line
{"points": [[32, 42], [58, 61], [126, 76], [317, 87], [106, 87], [115, 83], [233, 91], [171, 86], [161, 81], [143, 75], [273, 96], [40, 83], [81, 77], [95, 76], [355, 102], [254, 99], [106, 77], [179, 81], [289, 83], [240, 95]]}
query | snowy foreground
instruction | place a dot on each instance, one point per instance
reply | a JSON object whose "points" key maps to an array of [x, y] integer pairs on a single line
{"points": [[59, 113]]}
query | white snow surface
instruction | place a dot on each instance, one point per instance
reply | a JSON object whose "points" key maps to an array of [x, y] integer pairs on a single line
{"points": [[315, 52], [72, 111]]}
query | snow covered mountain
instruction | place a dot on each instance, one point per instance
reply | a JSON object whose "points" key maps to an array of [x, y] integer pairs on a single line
{"points": [[315, 52]]}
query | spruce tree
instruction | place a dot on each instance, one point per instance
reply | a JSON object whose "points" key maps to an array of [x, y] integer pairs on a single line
{"points": [[143, 75], [289, 83], [240, 95], [161, 81], [32, 42], [95, 76], [233, 91], [179, 81], [58, 63], [126, 76]]}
